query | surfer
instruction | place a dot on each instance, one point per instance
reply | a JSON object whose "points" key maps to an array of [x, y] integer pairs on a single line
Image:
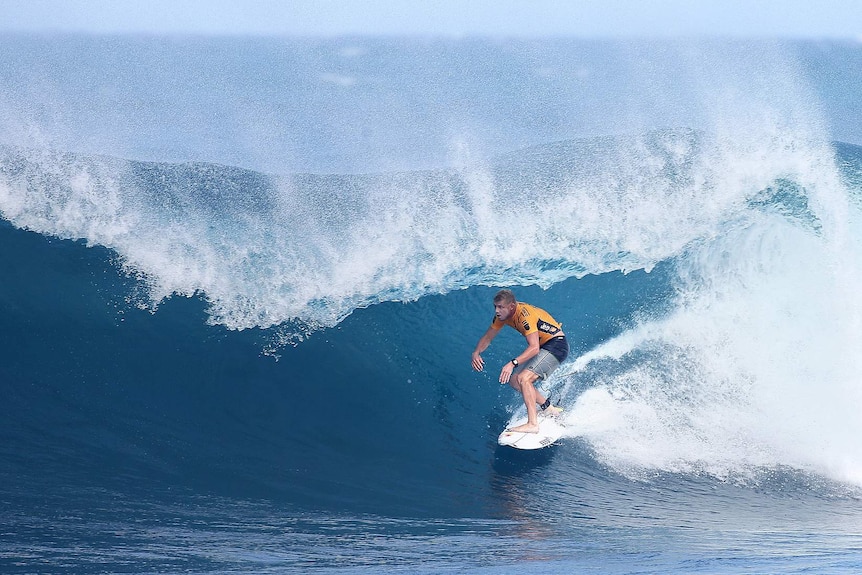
{"points": [[547, 347]]}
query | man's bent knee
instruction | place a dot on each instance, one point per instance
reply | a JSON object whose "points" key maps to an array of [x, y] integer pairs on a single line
{"points": [[527, 377]]}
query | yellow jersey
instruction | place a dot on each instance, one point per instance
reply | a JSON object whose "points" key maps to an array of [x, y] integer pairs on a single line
{"points": [[528, 319]]}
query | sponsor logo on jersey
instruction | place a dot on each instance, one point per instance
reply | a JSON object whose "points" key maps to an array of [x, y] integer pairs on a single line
{"points": [[547, 327]]}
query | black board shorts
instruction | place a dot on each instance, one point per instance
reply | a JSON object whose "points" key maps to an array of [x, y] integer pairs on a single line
{"points": [[559, 347]]}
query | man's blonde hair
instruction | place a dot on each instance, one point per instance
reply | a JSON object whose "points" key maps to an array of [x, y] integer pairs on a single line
{"points": [[505, 296]]}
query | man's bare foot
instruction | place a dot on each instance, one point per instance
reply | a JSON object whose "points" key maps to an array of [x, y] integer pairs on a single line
{"points": [[553, 411], [526, 428]]}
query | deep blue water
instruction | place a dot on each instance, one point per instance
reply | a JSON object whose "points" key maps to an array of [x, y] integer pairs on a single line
{"points": [[222, 357]]}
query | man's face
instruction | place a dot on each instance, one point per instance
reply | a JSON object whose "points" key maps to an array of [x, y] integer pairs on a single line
{"points": [[504, 310]]}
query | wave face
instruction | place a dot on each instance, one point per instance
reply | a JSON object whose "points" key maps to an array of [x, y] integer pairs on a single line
{"points": [[176, 331], [716, 358]]}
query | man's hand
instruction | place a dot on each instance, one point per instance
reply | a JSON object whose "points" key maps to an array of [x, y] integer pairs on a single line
{"points": [[478, 362], [506, 372]]}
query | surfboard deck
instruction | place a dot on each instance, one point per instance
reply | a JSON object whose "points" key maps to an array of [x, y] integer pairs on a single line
{"points": [[550, 430]]}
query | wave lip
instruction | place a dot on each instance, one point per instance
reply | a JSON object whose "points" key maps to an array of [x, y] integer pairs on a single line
{"points": [[309, 249]]}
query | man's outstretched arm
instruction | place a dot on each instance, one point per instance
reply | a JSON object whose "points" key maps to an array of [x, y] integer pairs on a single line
{"points": [[484, 342]]}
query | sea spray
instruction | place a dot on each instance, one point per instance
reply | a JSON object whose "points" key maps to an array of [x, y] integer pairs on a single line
{"points": [[269, 250]]}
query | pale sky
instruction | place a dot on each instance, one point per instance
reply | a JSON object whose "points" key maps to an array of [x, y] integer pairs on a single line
{"points": [[835, 19]]}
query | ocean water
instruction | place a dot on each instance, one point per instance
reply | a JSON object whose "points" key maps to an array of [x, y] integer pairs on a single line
{"points": [[242, 279]]}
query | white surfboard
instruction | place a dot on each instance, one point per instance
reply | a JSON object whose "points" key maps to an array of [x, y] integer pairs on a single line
{"points": [[550, 430]]}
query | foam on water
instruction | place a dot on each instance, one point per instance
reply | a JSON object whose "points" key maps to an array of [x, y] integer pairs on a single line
{"points": [[756, 367]]}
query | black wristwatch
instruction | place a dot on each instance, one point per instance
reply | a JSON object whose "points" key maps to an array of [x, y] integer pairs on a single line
{"points": [[515, 362]]}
